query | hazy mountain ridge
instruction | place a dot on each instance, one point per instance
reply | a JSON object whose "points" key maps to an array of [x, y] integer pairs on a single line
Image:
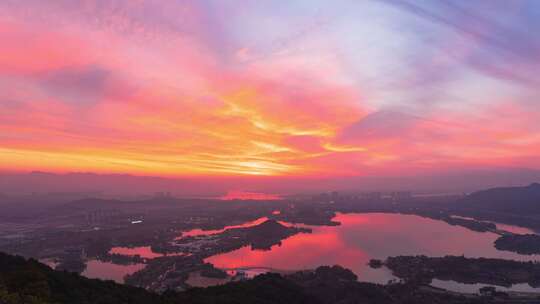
{"points": [[518, 200], [125, 186]]}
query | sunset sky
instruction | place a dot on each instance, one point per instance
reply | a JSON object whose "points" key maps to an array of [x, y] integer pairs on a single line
{"points": [[269, 88]]}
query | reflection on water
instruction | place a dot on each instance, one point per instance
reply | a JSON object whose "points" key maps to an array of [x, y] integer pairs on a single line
{"points": [[514, 229], [198, 232], [102, 270], [359, 238], [109, 271], [362, 237]]}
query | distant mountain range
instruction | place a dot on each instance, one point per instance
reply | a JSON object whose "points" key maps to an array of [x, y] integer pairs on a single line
{"points": [[83, 185]]}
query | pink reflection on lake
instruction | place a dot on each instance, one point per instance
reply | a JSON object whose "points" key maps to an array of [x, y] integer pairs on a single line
{"points": [[198, 232], [109, 271], [514, 229], [362, 237]]}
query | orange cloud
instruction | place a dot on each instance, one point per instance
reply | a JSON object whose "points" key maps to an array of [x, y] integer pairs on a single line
{"points": [[121, 96], [171, 116]]}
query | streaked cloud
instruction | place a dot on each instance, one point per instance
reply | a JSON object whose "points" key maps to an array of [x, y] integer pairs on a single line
{"points": [[182, 88]]}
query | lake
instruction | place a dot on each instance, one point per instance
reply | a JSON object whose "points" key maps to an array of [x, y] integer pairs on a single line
{"points": [[109, 271], [361, 237], [96, 269]]}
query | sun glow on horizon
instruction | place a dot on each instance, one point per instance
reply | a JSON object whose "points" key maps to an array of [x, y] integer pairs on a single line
{"points": [[245, 195], [192, 89]]}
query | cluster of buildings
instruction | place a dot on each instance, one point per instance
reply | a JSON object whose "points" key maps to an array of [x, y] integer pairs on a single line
{"points": [[334, 196], [101, 216]]}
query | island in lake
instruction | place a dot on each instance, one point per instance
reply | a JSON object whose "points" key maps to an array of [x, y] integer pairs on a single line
{"points": [[422, 270], [522, 244]]}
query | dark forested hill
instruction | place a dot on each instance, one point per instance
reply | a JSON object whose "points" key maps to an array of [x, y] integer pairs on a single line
{"points": [[515, 200], [28, 281]]}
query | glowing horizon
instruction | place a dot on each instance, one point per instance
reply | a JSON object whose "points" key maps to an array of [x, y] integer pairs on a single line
{"points": [[308, 88]]}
